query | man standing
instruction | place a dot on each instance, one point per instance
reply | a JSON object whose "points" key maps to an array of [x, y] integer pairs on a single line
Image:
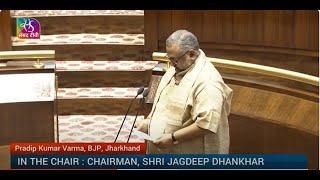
{"points": [[192, 103]]}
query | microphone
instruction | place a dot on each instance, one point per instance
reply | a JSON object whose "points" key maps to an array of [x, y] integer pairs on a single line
{"points": [[144, 95], [140, 90]]}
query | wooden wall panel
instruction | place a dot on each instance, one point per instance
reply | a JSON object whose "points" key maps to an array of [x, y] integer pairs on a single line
{"points": [[179, 20], [314, 30], [194, 22], [225, 26], [301, 30], [151, 39], [275, 107], [164, 24], [5, 157], [5, 30], [27, 122], [248, 135], [210, 23], [271, 28], [256, 33], [241, 23], [286, 27], [287, 39]]}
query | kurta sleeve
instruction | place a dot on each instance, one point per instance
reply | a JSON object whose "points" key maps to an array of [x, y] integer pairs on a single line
{"points": [[208, 106]]}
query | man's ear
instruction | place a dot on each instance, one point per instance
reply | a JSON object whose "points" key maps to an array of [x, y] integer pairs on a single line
{"points": [[193, 54]]}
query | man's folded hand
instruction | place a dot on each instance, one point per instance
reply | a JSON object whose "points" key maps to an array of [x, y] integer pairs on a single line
{"points": [[142, 126]]}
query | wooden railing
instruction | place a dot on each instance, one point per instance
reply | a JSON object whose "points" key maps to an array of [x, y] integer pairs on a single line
{"points": [[18, 55], [27, 56], [275, 86], [249, 67]]}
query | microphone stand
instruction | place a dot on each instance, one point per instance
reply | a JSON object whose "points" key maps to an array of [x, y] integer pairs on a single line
{"points": [[141, 107], [127, 114]]}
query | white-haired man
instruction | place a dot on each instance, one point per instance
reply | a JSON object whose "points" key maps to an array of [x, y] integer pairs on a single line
{"points": [[192, 103]]}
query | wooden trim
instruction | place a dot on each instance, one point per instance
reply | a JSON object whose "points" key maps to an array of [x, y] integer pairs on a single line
{"points": [[273, 88], [308, 131], [262, 49], [24, 70], [23, 55], [267, 70], [254, 48], [249, 67]]}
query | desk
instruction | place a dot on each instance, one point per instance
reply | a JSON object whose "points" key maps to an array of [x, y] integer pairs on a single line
{"points": [[27, 104]]}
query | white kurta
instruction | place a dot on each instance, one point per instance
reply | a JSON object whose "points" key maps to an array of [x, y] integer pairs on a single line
{"points": [[201, 98]]}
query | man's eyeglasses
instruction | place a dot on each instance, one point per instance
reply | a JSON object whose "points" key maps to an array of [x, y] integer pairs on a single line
{"points": [[176, 59]]}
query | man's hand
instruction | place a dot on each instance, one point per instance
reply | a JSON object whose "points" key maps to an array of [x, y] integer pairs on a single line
{"points": [[164, 141], [142, 125]]}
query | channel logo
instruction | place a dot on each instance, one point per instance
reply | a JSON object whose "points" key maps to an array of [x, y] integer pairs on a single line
{"points": [[28, 28]]}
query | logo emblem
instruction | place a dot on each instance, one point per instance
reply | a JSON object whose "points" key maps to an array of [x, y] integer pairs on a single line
{"points": [[28, 28]]}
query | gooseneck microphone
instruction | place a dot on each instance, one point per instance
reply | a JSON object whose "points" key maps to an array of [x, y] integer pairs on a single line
{"points": [[140, 90], [144, 95]]}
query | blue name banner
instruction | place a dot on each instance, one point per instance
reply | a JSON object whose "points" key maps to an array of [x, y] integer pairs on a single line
{"points": [[160, 161]]}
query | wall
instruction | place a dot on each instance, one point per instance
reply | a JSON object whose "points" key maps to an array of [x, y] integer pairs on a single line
{"points": [[287, 39], [261, 120], [5, 30]]}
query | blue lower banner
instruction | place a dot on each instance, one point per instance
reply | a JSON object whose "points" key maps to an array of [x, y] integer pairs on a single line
{"points": [[160, 161]]}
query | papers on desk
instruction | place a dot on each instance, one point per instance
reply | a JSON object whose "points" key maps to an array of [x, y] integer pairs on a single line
{"points": [[143, 135]]}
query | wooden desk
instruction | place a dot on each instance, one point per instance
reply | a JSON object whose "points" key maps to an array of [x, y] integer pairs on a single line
{"points": [[27, 121]]}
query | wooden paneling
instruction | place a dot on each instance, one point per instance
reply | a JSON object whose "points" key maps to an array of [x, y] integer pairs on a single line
{"points": [[248, 135], [179, 20], [27, 122], [256, 28], [210, 24], [290, 37], [314, 30], [93, 106], [271, 28], [194, 22], [225, 26], [5, 157], [68, 79], [263, 120], [281, 109], [286, 27], [241, 22], [301, 30], [164, 24], [151, 25], [5, 30]]}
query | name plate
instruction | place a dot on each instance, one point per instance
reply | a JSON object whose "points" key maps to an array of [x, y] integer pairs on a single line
{"points": [[31, 87]]}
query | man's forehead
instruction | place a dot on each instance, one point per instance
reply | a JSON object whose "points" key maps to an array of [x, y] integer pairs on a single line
{"points": [[173, 49]]}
